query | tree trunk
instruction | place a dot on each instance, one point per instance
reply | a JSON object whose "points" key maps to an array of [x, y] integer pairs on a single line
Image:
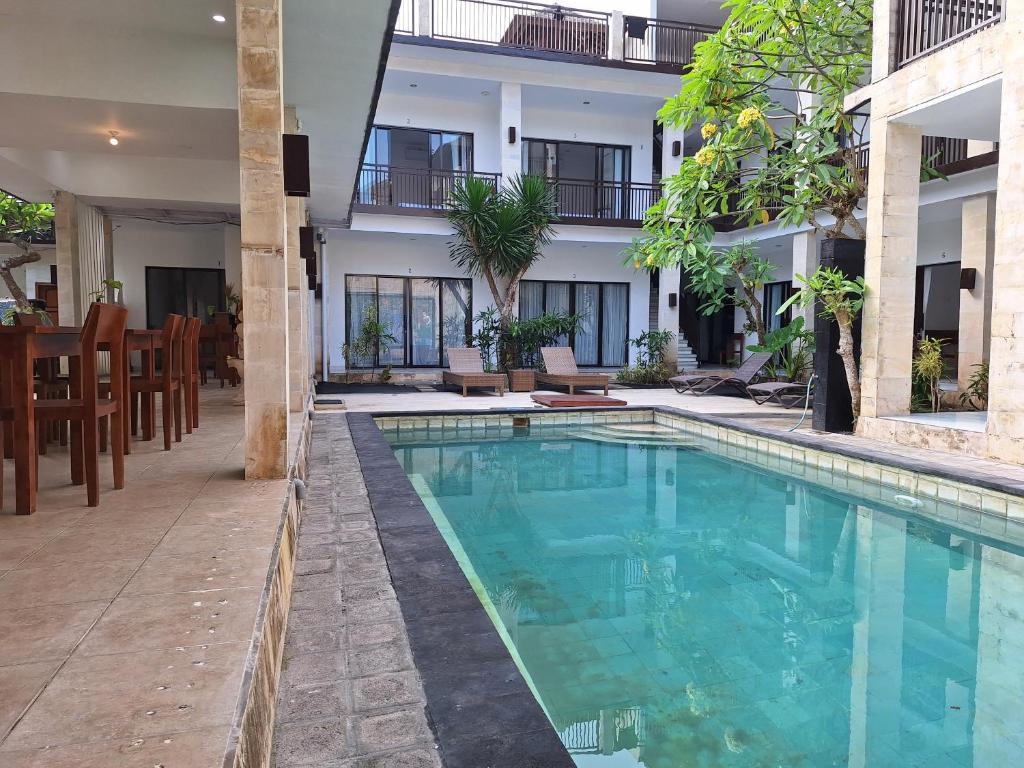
{"points": [[845, 351], [754, 312], [6, 271]]}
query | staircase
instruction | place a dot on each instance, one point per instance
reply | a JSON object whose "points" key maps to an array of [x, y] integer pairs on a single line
{"points": [[686, 360]]}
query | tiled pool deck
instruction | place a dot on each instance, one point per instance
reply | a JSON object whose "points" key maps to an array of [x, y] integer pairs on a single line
{"points": [[453, 667]]}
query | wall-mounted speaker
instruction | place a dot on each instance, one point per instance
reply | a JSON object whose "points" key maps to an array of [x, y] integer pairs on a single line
{"points": [[677, 148], [310, 266], [673, 299], [311, 283], [968, 278], [307, 242], [511, 134], [296, 164]]}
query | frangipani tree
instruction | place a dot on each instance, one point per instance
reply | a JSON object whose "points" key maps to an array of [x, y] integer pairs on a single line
{"points": [[20, 223]]}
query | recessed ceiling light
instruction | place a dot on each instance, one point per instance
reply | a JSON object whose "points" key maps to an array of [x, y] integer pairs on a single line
{"points": [[220, 18], [586, 102], [414, 85], [114, 141], [485, 93]]}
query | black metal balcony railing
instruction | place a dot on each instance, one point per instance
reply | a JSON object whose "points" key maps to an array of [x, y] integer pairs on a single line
{"points": [[525, 25], [404, 24], [656, 41], [412, 188], [610, 202], [924, 26]]}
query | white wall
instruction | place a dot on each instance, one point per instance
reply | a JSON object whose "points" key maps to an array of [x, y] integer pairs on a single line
{"points": [[939, 242], [396, 255], [477, 115], [138, 244]]}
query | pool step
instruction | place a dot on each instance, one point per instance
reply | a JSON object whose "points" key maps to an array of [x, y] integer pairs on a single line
{"points": [[634, 434]]}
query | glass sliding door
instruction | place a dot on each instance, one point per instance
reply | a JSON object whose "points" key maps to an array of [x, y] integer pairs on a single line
{"points": [[391, 309], [614, 323], [603, 308], [423, 321], [457, 318], [591, 177], [413, 167], [588, 296], [424, 314]]}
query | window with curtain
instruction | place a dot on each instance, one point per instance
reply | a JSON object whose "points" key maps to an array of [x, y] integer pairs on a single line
{"points": [[604, 316], [775, 295], [424, 314]]}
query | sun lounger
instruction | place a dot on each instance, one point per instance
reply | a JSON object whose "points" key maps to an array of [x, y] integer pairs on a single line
{"points": [[466, 369], [561, 371]]}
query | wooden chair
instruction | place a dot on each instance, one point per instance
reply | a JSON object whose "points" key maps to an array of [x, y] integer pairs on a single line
{"points": [[190, 371], [104, 326], [560, 370], [167, 383], [49, 383]]}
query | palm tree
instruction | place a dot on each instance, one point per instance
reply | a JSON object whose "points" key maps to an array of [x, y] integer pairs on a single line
{"points": [[500, 233]]}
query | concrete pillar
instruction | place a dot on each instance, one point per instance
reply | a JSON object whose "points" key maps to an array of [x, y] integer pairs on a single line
{"points": [[298, 288], [668, 317], [805, 262], [890, 268], [263, 217], [669, 164], [883, 38], [1006, 375], [108, 256], [69, 283], [977, 223], [616, 30], [424, 12], [511, 116]]}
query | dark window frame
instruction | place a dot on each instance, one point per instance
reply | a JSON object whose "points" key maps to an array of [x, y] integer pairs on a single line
{"points": [[627, 165], [407, 316], [600, 313], [221, 299], [468, 135]]}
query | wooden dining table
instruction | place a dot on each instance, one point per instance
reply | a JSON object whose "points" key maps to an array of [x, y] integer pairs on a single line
{"points": [[20, 348]]}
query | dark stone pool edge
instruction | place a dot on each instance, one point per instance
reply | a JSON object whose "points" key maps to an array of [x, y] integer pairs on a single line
{"points": [[481, 709]]}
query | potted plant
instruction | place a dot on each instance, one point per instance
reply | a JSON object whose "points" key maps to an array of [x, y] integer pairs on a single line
{"points": [[374, 339], [650, 369]]}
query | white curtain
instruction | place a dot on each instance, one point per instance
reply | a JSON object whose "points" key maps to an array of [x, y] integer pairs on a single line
{"points": [[613, 340], [558, 301], [585, 347], [531, 300]]}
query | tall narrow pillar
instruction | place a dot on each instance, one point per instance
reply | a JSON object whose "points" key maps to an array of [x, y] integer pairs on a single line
{"points": [[511, 117], [670, 163], [977, 251], [890, 268], [69, 284], [805, 262], [298, 289], [1006, 374], [263, 238], [668, 316]]}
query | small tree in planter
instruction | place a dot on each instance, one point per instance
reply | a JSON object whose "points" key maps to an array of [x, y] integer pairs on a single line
{"points": [[20, 224], [500, 234], [840, 299], [650, 359]]}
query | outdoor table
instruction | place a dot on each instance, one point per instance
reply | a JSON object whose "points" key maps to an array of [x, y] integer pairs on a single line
{"points": [[20, 347]]}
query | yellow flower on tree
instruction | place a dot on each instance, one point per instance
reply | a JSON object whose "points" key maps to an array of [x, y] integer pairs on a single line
{"points": [[748, 117], [705, 156], [708, 130], [649, 261]]}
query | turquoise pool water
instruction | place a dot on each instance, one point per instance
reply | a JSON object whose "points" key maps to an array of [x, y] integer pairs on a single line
{"points": [[672, 608]]}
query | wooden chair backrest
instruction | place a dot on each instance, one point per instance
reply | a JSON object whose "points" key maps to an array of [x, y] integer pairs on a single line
{"points": [[174, 329], [559, 361], [465, 360], [104, 326], [190, 347]]}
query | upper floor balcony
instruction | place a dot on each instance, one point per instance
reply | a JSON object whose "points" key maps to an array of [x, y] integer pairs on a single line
{"points": [[553, 31], [925, 26], [427, 192]]}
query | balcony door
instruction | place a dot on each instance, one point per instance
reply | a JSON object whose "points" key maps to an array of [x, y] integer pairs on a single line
{"points": [[413, 167], [590, 176]]}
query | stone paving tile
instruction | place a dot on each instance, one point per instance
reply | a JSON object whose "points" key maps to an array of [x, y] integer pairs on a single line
{"points": [[350, 696]]}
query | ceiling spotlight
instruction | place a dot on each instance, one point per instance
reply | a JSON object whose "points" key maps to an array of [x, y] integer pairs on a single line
{"points": [[485, 93], [220, 18], [114, 141], [586, 102]]}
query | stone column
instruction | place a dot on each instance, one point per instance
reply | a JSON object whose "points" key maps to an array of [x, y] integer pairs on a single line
{"points": [[977, 223], [69, 286], [883, 39], [1006, 376], [805, 262], [890, 268], [263, 215], [424, 12], [616, 30], [298, 288], [511, 117], [668, 317]]}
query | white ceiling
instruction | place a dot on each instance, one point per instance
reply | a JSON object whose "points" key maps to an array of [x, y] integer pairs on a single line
{"points": [[181, 17]]}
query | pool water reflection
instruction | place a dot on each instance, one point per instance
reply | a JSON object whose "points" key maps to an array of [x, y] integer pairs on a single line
{"points": [[675, 608]]}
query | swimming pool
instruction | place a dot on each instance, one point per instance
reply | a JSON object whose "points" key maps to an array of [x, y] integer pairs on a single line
{"points": [[676, 601]]}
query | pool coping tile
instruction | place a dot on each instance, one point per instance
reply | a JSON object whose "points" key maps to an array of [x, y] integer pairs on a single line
{"points": [[404, 522]]}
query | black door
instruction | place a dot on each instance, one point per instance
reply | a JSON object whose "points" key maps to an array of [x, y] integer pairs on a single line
{"points": [[186, 291]]}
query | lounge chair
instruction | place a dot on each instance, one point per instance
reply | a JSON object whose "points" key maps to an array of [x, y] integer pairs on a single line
{"points": [[561, 371], [785, 393], [466, 369], [715, 381]]}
